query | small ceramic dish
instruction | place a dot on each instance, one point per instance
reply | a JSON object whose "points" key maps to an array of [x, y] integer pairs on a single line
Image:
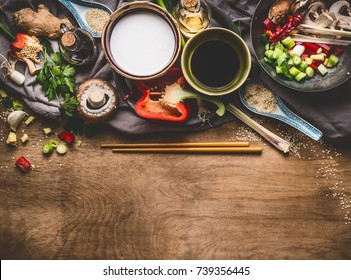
{"points": [[79, 8], [216, 61], [281, 112], [141, 41]]}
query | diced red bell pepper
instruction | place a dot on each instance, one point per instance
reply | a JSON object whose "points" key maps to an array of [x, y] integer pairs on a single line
{"points": [[310, 48], [268, 23], [67, 136], [304, 56], [337, 51], [325, 48], [315, 64], [149, 106], [23, 164]]}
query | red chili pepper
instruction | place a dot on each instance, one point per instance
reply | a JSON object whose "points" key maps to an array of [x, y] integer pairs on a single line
{"points": [[268, 23], [149, 106], [67, 136], [23, 164], [287, 28]]}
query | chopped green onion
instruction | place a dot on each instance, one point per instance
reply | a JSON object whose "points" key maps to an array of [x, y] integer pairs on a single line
{"points": [[294, 71], [288, 42], [300, 76], [47, 148], [54, 143], [61, 149], [309, 72]]}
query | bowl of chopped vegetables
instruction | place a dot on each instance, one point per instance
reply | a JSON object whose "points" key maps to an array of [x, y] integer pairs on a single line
{"points": [[292, 48]]}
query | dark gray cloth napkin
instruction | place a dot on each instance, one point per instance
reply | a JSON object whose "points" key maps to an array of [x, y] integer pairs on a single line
{"points": [[330, 112]]}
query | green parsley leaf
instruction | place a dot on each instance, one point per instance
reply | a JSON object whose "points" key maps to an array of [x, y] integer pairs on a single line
{"points": [[70, 105]]}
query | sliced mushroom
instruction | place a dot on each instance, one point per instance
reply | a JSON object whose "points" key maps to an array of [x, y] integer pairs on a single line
{"points": [[318, 15], [98, 100], [299, 6], [342, 13]]}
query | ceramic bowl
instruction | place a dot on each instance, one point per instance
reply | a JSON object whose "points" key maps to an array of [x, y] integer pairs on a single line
{"points": [[226, 37], [141, 41]]}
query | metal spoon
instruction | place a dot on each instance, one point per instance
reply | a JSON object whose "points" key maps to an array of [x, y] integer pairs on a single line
{"points": [[78, 8], [281, 113]]}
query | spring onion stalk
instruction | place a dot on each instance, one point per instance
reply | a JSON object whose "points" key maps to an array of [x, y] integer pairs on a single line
{"points": [[8, 34]]}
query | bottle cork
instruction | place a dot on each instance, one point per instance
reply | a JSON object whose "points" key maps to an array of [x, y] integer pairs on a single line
{"points": [[68, 39]]}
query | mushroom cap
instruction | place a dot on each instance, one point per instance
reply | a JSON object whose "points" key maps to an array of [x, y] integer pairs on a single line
{"points": [[98, 100], [279, 10]]}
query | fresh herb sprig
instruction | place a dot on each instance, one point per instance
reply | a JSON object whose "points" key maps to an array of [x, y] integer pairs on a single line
{"points": [[57, 79]]}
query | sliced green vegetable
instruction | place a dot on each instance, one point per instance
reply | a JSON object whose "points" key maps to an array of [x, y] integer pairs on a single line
{"points": [[294, 71], [47, 148], [333, 60], [277, 52], [288, 42], [309, 72], [279, 70], [300, 76], [281, 59], [322, 69], [17, 106], [296, 60], [303, 65], [54, 143], [269, 54], [61, 149]]}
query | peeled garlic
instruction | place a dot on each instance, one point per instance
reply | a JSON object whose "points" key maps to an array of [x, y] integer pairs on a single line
{"points": [[14, 119]]}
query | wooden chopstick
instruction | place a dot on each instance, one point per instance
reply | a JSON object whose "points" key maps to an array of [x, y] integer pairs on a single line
{"points": [[190, 150], [177, 145]]}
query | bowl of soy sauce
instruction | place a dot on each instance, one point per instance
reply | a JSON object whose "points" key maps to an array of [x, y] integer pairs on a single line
{"points": [[216, 61]]}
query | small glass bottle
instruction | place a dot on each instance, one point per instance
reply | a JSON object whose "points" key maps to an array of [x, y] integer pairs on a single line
{"points": [[77, 46], [192, 16]]}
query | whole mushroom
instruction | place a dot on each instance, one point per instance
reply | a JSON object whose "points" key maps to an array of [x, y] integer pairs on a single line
{"points": [[279, 10], [98, 100]]}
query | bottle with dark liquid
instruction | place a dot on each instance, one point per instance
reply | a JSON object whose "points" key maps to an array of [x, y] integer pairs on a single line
{"points": [[77, 46]]}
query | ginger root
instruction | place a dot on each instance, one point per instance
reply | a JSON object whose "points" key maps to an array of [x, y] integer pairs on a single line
{"points": [[40, 23]]}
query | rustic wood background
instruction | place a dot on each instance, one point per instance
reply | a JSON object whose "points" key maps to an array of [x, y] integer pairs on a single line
{"points": [[92, 204]]}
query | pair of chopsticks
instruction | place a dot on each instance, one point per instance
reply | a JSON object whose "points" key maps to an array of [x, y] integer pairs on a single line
{"points": [[212, 147]]}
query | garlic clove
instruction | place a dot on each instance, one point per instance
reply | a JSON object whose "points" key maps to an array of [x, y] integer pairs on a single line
{"points": [[14, 119]]}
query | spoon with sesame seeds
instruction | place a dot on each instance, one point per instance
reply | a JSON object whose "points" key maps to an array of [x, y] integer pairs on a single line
{"points": [[263, 101], [90, 16]]}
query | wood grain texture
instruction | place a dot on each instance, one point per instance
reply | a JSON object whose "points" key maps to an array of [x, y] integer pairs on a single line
{"points": [[92, 204]]}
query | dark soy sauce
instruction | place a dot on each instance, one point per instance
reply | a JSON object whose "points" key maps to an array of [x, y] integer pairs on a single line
{"points": [[215, 64]]}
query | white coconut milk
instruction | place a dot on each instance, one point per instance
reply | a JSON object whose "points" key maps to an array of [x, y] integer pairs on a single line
{"points": [[142, 43]]}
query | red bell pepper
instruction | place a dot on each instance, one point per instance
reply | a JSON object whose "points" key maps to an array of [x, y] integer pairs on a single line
{"points": [[23, 164], [310, 48], [67, 136], [163, 98], [337, 51], [26, 48], [149, 105]]}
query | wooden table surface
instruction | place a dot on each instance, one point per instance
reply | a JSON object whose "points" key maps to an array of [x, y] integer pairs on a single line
{"points": [[92, 204]]}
